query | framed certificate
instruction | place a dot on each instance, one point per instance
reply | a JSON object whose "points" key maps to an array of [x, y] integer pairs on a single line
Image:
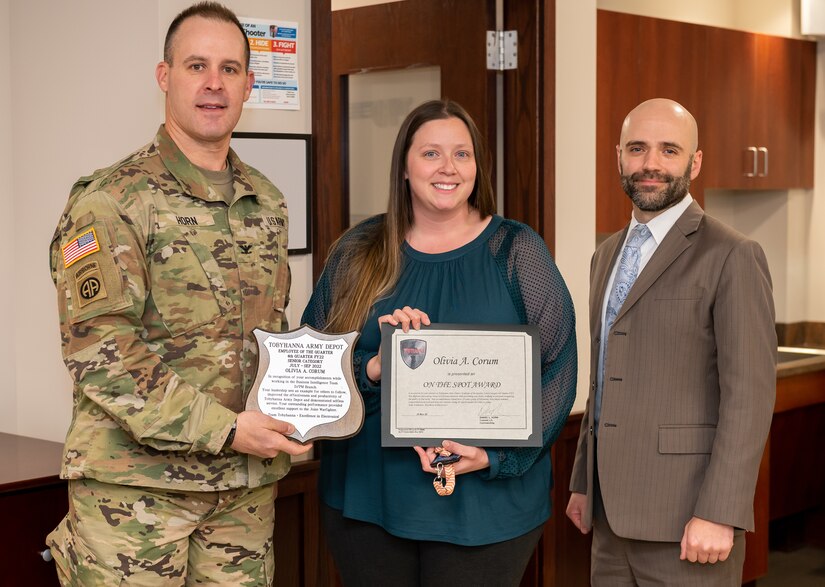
{"points": [[286, 159], [475, 384]]}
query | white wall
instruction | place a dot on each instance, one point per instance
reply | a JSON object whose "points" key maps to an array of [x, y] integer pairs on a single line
{"points": [[772, 17], [343, 4], [575, 150], [8, 399], [69, 118], [816, 220], [79, 102]]}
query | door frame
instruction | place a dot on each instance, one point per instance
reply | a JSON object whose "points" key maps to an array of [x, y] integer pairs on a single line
{"points": [[529, 127], [529, 191]]}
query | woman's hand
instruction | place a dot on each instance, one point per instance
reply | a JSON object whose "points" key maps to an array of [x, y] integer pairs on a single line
{"points": [[406, 317], [472, 457]]}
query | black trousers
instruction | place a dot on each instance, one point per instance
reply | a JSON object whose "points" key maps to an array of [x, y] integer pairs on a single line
{"points": [[366, 555]]}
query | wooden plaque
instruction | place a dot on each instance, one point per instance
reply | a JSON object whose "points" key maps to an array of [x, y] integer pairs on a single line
{"points": [[305, 378]]}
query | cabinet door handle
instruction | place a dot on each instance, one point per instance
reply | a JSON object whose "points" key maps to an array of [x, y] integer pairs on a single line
{"points": [[755, 152], [765, 151]]}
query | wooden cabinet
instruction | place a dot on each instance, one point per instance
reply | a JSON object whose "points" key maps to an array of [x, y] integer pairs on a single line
{"points": [[752, 96], [617, 56], [32, 502], [760, 116], [563, 554], [639, 58], [297, 527], [797, 471], [798, 477]]}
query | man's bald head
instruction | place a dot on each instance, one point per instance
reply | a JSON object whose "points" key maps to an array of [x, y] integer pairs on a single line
{"points": [[663, 110], [658, 156]]}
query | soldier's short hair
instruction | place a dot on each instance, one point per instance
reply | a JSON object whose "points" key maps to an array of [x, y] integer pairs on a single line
{"points": [[209, 10]]}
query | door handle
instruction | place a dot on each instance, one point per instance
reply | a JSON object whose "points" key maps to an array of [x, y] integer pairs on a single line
{"points": [[764, 150], [755, 152]]}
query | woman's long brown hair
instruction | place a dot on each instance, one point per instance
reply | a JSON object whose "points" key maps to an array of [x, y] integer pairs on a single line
{"points": [[375, 259]]}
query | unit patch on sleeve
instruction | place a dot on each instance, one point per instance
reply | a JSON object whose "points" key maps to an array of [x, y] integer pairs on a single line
{"points": [[81, 246], [89, 284]]}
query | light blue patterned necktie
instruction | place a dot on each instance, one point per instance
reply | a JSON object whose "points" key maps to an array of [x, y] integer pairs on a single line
{"points": [[626, 274]]}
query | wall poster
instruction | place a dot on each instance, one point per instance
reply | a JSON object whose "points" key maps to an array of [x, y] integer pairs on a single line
{"points": [[273, 48]]}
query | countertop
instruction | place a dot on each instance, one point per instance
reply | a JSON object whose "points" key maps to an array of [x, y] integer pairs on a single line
{"points": [[799, 360]]}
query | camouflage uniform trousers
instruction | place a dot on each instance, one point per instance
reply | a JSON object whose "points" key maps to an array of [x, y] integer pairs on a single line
{"points": [[136, 536]]}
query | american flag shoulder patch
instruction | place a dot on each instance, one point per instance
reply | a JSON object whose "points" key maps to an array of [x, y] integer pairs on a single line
{"points": [[82, 245]]}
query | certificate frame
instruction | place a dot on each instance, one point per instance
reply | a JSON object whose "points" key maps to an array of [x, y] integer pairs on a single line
{"points": [[517, 338], [285, 159]]}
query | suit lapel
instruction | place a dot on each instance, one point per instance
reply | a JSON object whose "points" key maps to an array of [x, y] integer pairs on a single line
{"points": [[675, 242], [601, 270]]}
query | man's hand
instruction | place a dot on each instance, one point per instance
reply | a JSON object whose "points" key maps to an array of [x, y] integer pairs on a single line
{"points": [[575, 511], [260, 435], [706, 542]]}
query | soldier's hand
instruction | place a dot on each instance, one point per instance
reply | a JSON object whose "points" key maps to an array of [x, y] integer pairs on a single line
{"points": [[263, 436]]}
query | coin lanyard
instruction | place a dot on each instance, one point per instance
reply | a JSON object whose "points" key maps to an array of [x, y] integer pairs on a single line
{"points": [[444, 482]]}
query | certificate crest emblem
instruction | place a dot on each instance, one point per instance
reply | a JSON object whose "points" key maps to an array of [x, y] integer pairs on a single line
{"points": [[413, 352]]}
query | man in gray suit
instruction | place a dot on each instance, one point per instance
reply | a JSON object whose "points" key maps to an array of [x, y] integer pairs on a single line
{"points": [[683, 376]]}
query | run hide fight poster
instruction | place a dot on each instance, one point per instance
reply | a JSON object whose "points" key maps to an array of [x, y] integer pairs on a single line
{"points": [[273, 48]]}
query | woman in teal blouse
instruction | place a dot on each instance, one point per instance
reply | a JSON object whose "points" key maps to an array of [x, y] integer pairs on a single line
{"points": [[440, 254]]}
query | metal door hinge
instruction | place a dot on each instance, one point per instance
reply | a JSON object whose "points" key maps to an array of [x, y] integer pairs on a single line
{"points": [[502, 50]]}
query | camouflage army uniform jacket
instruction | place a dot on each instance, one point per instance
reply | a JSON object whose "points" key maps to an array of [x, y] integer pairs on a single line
{"points": [[159, 285]]}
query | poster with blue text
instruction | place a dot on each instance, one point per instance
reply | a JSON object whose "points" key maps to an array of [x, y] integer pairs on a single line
{"points": [[273, 46]]}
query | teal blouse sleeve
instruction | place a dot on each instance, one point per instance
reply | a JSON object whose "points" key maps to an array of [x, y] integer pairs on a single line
{"points": [[541, 298]]}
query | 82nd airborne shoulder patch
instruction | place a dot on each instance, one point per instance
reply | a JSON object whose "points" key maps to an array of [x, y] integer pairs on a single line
{"points": [[89, 283]]}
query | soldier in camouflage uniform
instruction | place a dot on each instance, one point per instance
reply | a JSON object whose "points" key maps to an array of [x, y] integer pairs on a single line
{"points": [[164, 263]]}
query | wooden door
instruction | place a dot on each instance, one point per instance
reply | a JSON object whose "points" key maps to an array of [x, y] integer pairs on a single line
{"points": [[450, 35]]}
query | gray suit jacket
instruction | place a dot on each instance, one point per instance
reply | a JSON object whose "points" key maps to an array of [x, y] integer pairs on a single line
{"points": [[690, 383]]}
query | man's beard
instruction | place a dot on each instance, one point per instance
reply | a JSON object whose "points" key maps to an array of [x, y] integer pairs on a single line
{"points": [[650, 201]]}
